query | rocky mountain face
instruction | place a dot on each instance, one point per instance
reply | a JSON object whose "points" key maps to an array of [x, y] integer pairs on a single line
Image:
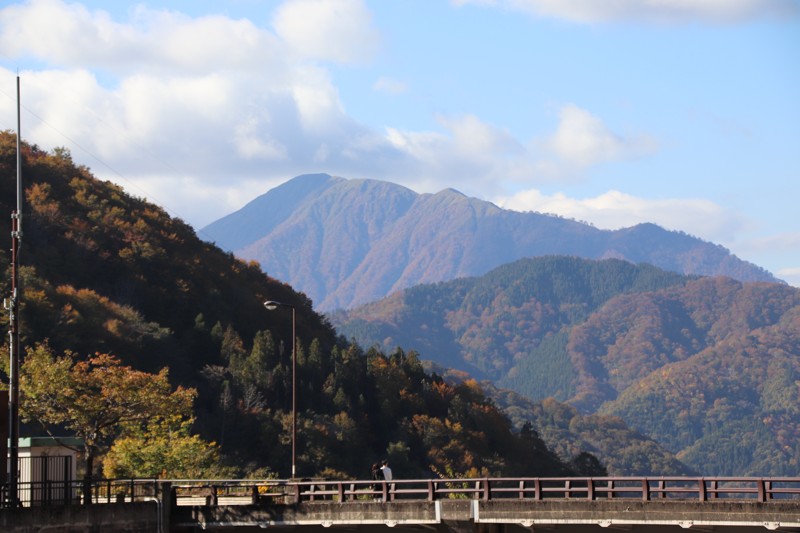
{"points": [[348, 242]]}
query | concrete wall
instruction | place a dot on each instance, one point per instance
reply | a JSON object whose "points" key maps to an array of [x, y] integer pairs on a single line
{"points": [[107, 518], [498, 515]]}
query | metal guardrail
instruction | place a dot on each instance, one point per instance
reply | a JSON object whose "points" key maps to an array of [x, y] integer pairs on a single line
{"points": [[216, 492], [703, 489], [75, 492]]}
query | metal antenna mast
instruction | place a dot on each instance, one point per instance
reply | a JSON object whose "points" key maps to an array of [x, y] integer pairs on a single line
{"points": [[13, 333]]}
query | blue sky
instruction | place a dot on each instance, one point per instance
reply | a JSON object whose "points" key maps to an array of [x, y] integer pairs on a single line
{"points": [[685, 113]]}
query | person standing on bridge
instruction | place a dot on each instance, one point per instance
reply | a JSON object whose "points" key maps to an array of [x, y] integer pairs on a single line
{"points": [[377, 475], [387, 472], [387, 475]]}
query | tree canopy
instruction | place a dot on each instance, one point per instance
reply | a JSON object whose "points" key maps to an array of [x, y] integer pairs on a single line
{"points": [[96, 397]]}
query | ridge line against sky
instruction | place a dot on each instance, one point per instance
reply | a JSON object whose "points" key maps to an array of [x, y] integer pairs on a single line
{"points": [[683, 113]]}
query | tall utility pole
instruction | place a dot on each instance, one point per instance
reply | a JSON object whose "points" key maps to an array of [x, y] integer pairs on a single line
{"points": [[272, 305], [13, 332]]}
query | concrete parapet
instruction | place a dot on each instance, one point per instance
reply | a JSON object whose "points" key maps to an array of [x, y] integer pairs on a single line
{"points": [[119, 518], [606, 513], [475, 515]]}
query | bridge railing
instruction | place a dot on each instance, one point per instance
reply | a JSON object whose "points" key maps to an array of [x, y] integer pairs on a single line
{"points": [[220, 492], [233, 492], [80, 491], [646, 488]]}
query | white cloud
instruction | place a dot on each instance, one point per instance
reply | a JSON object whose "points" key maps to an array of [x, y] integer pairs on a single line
{"points": [[222, 99], [789, 275], [614, 210], [481, 157], [476, 139], [202, 202], [335, 30], [778, 249], [237, 123], [252, 142], [469, 152], [657, 11], [212, 97], [698, 217], [41, 27], [583, 140], [201, 114], [786, 242], [156, 41]]}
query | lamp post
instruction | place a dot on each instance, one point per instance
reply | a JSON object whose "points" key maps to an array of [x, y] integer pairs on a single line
{"points": [[272, 305]]}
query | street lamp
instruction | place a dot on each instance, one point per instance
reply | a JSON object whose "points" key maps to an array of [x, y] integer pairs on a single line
{"points": [[272, 305]]}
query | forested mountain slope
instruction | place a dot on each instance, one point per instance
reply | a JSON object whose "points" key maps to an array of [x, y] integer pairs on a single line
{"points": [[708, 367], [491, 326], [106, 272], [348, 242]]}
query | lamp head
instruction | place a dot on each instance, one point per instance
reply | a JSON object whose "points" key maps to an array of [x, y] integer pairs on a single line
{"points": [[269, 304]]}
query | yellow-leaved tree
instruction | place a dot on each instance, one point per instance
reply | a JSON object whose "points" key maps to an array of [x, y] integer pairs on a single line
{"points": [[99, 400], [162, 448]]}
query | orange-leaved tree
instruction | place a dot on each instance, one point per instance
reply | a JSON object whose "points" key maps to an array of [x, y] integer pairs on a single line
{"points": [[95, 397]]}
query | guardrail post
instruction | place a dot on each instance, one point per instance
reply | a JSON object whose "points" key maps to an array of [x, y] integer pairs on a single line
{"points": [[67, 499], [46, 479], [590, 489], [67, 477], [431, 491], [537, 489], [86, 488], [645, 490], [340, 491], [762, 492], [165, 493], [521, 492], [486, 489], [701, 489]]}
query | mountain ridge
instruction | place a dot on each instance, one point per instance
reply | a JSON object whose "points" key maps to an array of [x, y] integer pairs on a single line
{"points": [[347, 242], [698, 364]]}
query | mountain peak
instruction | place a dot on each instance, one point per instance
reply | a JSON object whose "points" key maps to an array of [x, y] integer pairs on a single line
{"points": [[263, 214], [347, 242]]}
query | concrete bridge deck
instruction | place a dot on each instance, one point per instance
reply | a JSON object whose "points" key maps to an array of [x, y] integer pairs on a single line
{"points": [[510, 515]]}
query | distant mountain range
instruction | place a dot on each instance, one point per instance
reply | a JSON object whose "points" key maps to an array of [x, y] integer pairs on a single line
{"points": [[348, 242], [709, 367]]}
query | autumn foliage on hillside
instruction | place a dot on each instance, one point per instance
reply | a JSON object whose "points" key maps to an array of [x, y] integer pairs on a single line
{"points": [[107, 273], [707, 367]]}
